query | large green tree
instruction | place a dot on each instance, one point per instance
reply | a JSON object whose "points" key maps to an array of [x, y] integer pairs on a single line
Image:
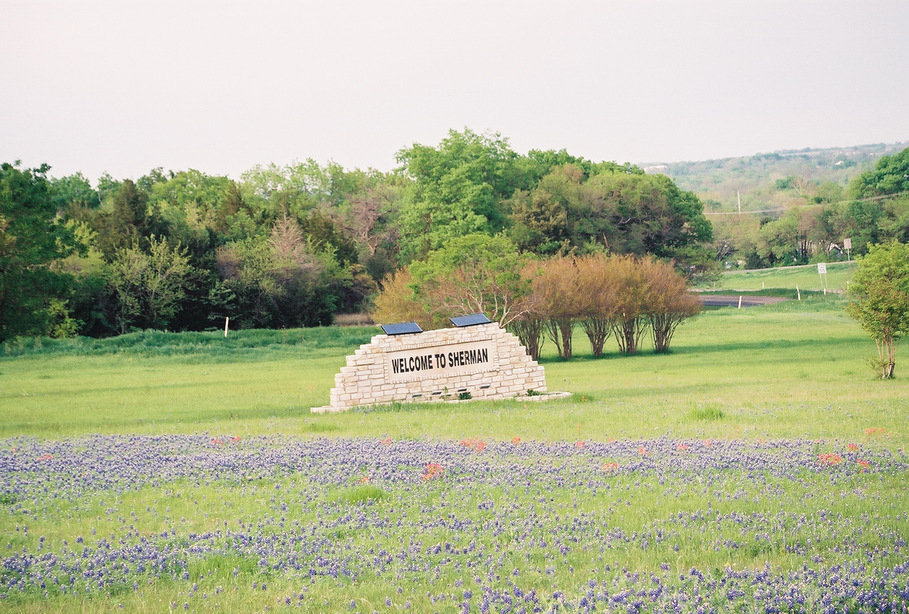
{"points": [[150, 285], [649, 214], [457, 189], [124, 221], [31, 238], [879, 300], [619, 209], [557, 214]]}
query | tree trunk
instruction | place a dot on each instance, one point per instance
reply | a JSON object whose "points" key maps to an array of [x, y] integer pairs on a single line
{"points": [[559, 330], [530, 332], [886, 350], [598, 330]]}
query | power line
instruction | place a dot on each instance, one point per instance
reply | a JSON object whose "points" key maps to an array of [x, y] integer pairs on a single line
{"points": [[784, 209]]}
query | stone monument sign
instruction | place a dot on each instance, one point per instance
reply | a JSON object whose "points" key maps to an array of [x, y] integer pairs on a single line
{"points": [[477, 360]]}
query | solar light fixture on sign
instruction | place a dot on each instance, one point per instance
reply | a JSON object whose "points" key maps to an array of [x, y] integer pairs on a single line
{"points": [[404, 328], [471, 320]]}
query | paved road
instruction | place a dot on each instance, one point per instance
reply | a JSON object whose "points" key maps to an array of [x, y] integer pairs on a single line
{"points": [[732, 300]]}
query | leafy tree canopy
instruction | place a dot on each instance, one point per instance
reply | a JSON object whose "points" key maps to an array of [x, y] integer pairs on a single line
{"points": [[879, 295], [615, 208], [890, 176], [457, 188], [31, 238]]}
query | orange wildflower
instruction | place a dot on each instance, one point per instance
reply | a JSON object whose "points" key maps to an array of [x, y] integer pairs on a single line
{"points": [[853, 447], [610, 467], [476, 445], [830, 459], [863, 464], [433, 470]]}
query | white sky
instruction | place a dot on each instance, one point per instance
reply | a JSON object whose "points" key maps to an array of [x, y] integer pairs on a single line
{"points": [[124, 86]]}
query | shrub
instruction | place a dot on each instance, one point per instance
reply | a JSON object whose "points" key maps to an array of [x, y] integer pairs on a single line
{"points": [[397, 301], [596, 299], [668, 301], [556, 290]]}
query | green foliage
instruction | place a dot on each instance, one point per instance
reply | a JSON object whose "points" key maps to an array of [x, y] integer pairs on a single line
{"points": [[457, 189], [617, 210], [779, 242], [31, 238], [150, 285], [357, 227], [472, 274], [74, 191], [776, 180], [890, 176], [707, 413], [287, 279], [880, 300], [62, 325], [814, 233], [363, 493], [802, 198], [126, 221]]}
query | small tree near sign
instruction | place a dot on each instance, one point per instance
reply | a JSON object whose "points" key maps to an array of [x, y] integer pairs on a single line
{"points": [[879, 300]]}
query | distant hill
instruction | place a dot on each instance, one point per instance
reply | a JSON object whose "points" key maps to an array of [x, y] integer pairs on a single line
{"points": [[775, 181]]}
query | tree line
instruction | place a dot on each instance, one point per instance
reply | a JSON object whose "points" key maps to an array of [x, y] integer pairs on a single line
{"points": [[294, 245], [873, 209]]}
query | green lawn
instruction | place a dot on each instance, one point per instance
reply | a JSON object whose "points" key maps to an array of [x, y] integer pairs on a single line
{"points": [[798, 369], [805, 278]]}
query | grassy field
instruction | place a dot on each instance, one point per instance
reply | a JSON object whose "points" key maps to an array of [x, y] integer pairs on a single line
{"points": [[758, 466], [805, 278], [798, 369]]}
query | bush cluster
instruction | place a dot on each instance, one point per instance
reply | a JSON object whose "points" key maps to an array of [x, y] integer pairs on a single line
{"points": [[620, 296]]}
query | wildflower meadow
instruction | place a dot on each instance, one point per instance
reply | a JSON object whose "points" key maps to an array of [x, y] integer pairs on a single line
{"points": [[195, 522]]}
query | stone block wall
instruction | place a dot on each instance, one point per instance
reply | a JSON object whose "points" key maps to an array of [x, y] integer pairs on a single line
{"points": [[484, 361]]}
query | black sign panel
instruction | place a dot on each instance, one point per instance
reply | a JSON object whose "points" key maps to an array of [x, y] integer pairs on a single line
{"points": [[471, 320], [404, 328]]}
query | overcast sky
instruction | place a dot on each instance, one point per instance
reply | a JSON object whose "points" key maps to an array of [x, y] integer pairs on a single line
{"points": [[124, 87]]}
